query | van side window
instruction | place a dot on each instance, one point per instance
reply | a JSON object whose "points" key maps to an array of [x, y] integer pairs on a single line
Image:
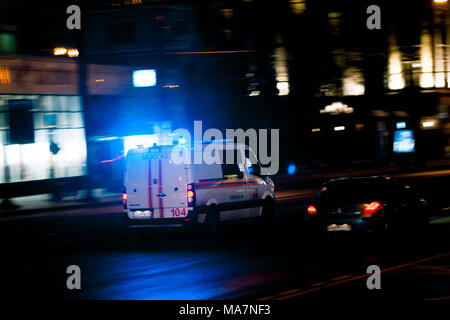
{"points": [[230, 171], [235, 170]]}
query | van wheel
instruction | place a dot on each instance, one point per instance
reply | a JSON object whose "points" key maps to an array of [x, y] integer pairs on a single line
{"points": [[212, 221], [268, 212]]}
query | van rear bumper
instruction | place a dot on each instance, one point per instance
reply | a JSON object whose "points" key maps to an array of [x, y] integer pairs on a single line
{"points": [[190, 220]]}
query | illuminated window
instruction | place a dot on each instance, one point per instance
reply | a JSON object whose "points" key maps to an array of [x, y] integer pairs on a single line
{"points": [[132, 2], [353, 82], [227, 13], [396, 80], [28, 153], [404, 141], [439, 66], [426, 60], [298, 6], [8, 43], [281, 71], [335, 19], [4, 76]]}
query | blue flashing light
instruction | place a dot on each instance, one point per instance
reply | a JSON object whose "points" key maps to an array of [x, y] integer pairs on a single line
{"points": [[291, 169], [144, 78], [400, 125], [250, 169]]}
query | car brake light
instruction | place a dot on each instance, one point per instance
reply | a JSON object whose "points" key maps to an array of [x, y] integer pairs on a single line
{"points": [[372, 207], [311, 209], [191, 195]]}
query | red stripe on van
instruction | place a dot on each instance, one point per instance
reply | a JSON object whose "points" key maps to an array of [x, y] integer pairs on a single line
{"points": [[150, 191], [161, 200]]}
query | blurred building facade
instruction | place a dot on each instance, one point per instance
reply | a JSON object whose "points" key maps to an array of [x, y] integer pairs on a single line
{"points": [[337, 91], [380, 85], [42, 127], [42, 119], [222, 62]]}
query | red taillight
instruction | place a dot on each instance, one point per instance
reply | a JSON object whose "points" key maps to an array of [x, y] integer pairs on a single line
{"points": [[372, 207], [311, 209], [124, 200], [191, 195]]}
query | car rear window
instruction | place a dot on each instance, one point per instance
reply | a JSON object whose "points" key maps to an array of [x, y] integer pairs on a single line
{"points": [[354, 193]]}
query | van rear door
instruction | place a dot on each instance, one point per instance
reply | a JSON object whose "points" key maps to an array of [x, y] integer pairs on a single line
{"points": [[168, 185], [137, 181]]}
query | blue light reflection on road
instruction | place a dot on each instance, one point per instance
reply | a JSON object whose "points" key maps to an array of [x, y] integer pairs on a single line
{"points": [[175, 275]]}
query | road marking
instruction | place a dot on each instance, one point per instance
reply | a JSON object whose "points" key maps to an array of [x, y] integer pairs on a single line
{"points": [[289, 292], [268, 298], [442, 269], [438, 298], [341, 277], [435, 173], [344, 279], [318, 284]]}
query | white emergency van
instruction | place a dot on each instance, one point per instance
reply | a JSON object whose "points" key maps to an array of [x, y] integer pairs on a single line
{"points": [[160, 191]]}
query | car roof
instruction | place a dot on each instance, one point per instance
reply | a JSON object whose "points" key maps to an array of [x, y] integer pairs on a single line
{"points": [[359, 180], [221, 145]]}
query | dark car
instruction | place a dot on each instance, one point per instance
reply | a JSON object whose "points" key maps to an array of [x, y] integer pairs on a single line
{"points": [[367, 204]]}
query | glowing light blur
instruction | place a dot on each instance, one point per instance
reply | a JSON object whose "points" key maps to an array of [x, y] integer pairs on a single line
{"points": [[439, 66], [339, 128], [283, 88], [372, 208], [337, 108], [403, 141], [132, 142], [395, 80], [298, 6], [311, 209], [144, 78], [428, 124], [59, 51], [426, 60], [73, 53], [281, 71], [291, 169], [400, 125], [353, 82]]}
